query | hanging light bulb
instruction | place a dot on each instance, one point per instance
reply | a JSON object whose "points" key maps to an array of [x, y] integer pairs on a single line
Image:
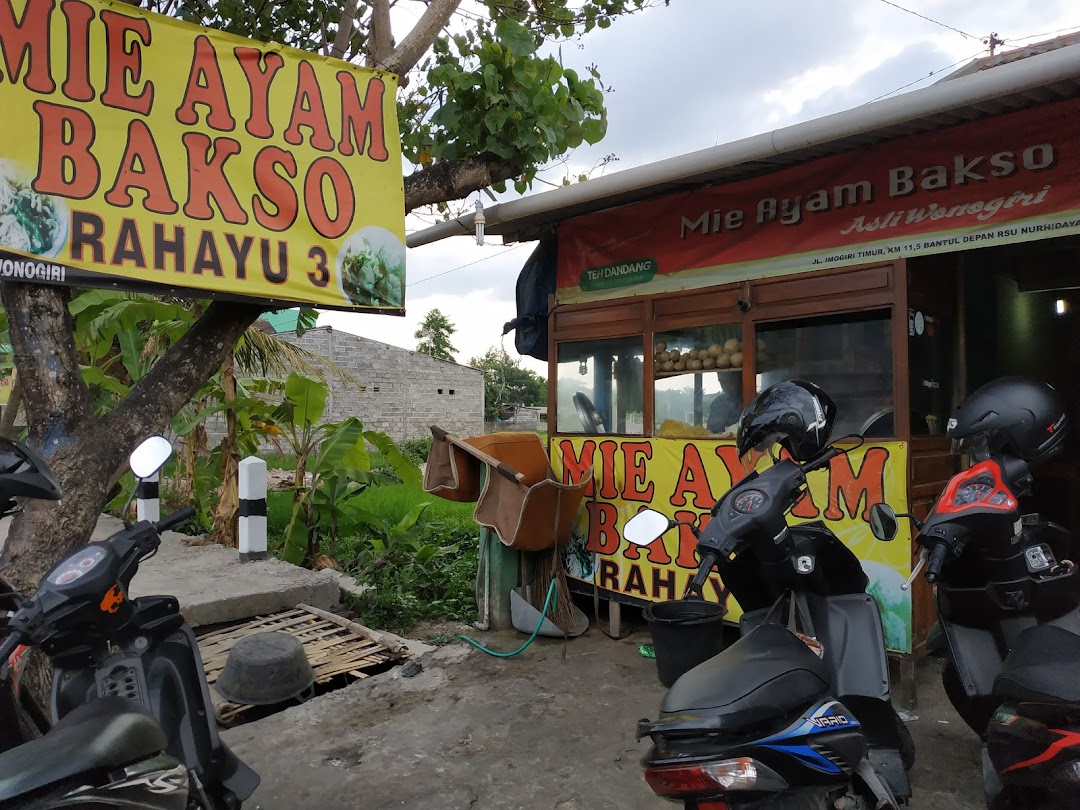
{"points": [[478, 221]]}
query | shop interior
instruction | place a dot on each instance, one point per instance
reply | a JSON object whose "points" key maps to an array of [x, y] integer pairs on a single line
{"points": [[1011, 310]]}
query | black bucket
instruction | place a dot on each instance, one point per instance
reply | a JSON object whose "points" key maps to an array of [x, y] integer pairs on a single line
{"points": [[685, 632]]}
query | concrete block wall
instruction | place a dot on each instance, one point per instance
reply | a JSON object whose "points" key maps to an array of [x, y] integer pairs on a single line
{"points": [[403, 391]]}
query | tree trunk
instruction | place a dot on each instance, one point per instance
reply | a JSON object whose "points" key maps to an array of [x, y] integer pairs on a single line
{"points": [[85, 452], [226, 511]]}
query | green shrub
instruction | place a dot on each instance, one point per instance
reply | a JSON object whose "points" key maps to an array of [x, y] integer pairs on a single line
{"points": [[417, 449], [421, 561]]}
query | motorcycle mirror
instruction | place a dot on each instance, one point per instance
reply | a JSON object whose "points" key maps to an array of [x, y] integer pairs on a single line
{"points": [[644, 527], [883, 523], [150, 456]]}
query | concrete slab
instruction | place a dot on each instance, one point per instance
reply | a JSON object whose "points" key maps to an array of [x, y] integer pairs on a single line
{"points": [[213, 586], [539, 730]]}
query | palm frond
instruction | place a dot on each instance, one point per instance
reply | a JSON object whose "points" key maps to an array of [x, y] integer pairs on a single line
{"points": [[267, 354]]}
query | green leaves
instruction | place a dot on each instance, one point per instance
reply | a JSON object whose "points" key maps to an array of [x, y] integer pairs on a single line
{"points": [[94, 376], [307, 397], [403, 468], [341, 443], [296, 536], [493, 92], [594, 130], [412, 516]]}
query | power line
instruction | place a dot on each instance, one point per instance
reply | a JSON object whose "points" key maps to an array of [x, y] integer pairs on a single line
{"points": [[930, 19], [462, 267], [924, 78]]}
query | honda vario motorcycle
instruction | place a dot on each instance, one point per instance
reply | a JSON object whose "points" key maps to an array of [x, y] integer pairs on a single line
{"points": [[133, 725], [1007, 597], [796, 713]]}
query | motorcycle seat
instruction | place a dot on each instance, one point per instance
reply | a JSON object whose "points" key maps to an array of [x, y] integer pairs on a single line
{"points": [[1041, 666], [102, 735], [767, 674]]}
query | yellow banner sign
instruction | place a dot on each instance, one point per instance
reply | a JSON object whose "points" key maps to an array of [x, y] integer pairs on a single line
{"points": [[683, 479], [143, 151]]}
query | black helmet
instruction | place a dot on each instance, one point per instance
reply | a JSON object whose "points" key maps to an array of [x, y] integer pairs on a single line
{"points": [[1013, 415], [24, 474], [795, 413]]}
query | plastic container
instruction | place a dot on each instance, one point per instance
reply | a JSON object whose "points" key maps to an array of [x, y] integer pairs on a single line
{"points": [[685, 633], [265, 668]]}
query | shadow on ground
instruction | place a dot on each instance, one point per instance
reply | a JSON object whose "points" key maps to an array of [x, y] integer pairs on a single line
{"points": [[535, 731]]}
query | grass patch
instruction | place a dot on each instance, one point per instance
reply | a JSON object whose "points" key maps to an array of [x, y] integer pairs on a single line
{"points": [[428, 572], [393, 501]]}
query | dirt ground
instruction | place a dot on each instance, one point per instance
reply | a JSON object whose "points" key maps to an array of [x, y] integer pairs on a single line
{"points": [[539, 730]]}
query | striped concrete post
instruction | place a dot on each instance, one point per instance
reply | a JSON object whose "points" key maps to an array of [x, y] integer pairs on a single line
{"points": [[148, 499], [252, 490]]}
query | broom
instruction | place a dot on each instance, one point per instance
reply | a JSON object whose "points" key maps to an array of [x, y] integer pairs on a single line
{"points": [[548, 566]]}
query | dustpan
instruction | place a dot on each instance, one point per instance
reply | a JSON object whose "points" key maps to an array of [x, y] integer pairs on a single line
{"points": [[525, 616]]}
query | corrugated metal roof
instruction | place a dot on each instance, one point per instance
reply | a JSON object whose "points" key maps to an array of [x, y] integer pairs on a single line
{"points": [[1014, 55], [981, 94]]}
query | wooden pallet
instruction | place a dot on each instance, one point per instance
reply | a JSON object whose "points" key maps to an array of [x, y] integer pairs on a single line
{"points": [[334, 646]]}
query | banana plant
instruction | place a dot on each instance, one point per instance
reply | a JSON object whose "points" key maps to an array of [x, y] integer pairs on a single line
{"points": [[335, 455]]}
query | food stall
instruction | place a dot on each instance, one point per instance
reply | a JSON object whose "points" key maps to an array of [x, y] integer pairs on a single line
{"points": [[854, 251]]}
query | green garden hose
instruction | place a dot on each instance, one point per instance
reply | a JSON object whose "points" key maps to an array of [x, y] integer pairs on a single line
{"points": [[532, 638]]}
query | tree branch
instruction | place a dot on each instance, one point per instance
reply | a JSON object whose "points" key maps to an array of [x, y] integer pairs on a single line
{"points": [[176, 377], [421, 37], [441, 182], [344, 32], [381, 40]]}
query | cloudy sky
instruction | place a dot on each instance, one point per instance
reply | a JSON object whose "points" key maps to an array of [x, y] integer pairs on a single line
{"points": [[702, 72]]}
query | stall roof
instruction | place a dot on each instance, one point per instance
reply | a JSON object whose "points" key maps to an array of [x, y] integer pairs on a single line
{"points": [[1036, 78], [1015, 55]]}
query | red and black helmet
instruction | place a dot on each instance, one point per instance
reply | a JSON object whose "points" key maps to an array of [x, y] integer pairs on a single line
{"points": [[1017, 416]]}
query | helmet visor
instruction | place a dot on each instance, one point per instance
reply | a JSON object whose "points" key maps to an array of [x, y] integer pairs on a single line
{"points": [[976, 446], [751, 458]]}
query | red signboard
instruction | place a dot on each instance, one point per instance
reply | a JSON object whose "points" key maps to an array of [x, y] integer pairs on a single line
{"points": [[1007, 179]]}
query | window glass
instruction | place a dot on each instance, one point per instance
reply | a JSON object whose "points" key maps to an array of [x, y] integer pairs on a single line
{"points": [[698, 385], [600, 385], [849, 356]]}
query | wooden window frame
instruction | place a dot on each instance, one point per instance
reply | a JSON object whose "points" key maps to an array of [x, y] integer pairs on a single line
{"points": [[838, 291]]}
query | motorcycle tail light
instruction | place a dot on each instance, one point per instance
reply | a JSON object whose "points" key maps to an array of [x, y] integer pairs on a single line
{"points": [[706, 778]]}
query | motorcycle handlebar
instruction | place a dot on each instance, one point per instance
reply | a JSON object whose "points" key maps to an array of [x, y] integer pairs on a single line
{"points": [[937, 558], [177, 518], [708, 560], [821, 461]]}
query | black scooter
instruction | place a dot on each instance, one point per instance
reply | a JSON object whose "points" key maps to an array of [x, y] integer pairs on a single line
{"points": [[1007, 610], [133, 721], [797, 713]]}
